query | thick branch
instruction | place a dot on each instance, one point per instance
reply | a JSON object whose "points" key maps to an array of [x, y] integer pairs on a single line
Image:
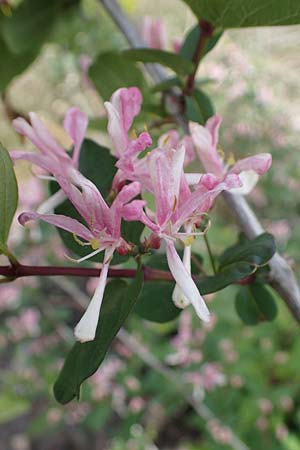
{"points": [[282, 277]]}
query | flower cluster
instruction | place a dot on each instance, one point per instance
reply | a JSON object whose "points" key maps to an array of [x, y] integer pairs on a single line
{"points": [[181, 199]]}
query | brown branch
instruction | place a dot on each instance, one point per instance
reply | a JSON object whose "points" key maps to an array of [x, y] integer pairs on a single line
{"points": [[282, 277]]}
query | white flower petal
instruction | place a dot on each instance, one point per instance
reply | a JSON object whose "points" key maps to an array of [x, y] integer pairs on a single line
{"points": [[186, 283], [86, 328]]}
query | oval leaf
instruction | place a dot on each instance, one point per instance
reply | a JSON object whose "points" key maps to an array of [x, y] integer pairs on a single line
{"points": [[8, 194], [258, 251], [84, 359], [255, 304]]}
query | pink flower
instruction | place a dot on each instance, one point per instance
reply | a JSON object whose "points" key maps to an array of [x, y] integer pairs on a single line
{"points": [[102, 232], [176, 208], [206, 143], [123, 107], [52, 157]]}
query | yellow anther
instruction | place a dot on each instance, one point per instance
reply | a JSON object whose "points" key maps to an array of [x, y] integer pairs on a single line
{"points": [[133, 134], [166, 139], [175, 203], [230, 160], [94, 243]]}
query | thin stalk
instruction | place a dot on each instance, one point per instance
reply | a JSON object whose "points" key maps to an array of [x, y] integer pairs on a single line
{"points": [[210, 254]]}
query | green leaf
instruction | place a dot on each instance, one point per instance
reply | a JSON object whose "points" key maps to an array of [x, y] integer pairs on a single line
{"points": [[255, 304], [229, 275], [199, 107], [155, 303], [8, 194], [84, 359], [29, 25], [189, 45], [241, 13], [258, 251], [178, 63], [97, 164], [167, 84], [192, 110], [112, 70]]}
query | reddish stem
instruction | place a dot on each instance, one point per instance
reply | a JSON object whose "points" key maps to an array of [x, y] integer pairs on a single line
{"points": [[205, 31], [41, 271]]}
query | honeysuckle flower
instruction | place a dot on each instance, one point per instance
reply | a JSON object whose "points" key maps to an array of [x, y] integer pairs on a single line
{"points": [[101, 232], [178, 210], [52, 157], [205, 140], [123, 107]]}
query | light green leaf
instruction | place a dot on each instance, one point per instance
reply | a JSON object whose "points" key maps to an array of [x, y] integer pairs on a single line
{"points": [[246, 13], [8, 194]]}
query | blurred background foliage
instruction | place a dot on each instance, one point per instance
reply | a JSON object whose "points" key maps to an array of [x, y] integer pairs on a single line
{"points": [[247, 377]]}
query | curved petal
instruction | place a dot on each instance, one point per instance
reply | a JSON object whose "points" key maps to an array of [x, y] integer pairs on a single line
{"points": [[260, 164], [75, 124], [85, 330], [47, 143], [178, 297], [186, 283], [206, 147], [60, 221], [166, 168], [42, 161]]}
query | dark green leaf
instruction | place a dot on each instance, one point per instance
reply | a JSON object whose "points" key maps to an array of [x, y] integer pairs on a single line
{"points": [[29, 25], [241, 13], [229, 275], [255, 304], [8, 194], [84, 359], [189, 45], [193, 111], [204, 104], [258, 251], [111, 71], [155, 302], [97, 164], [167, 84], [177, 63]]}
